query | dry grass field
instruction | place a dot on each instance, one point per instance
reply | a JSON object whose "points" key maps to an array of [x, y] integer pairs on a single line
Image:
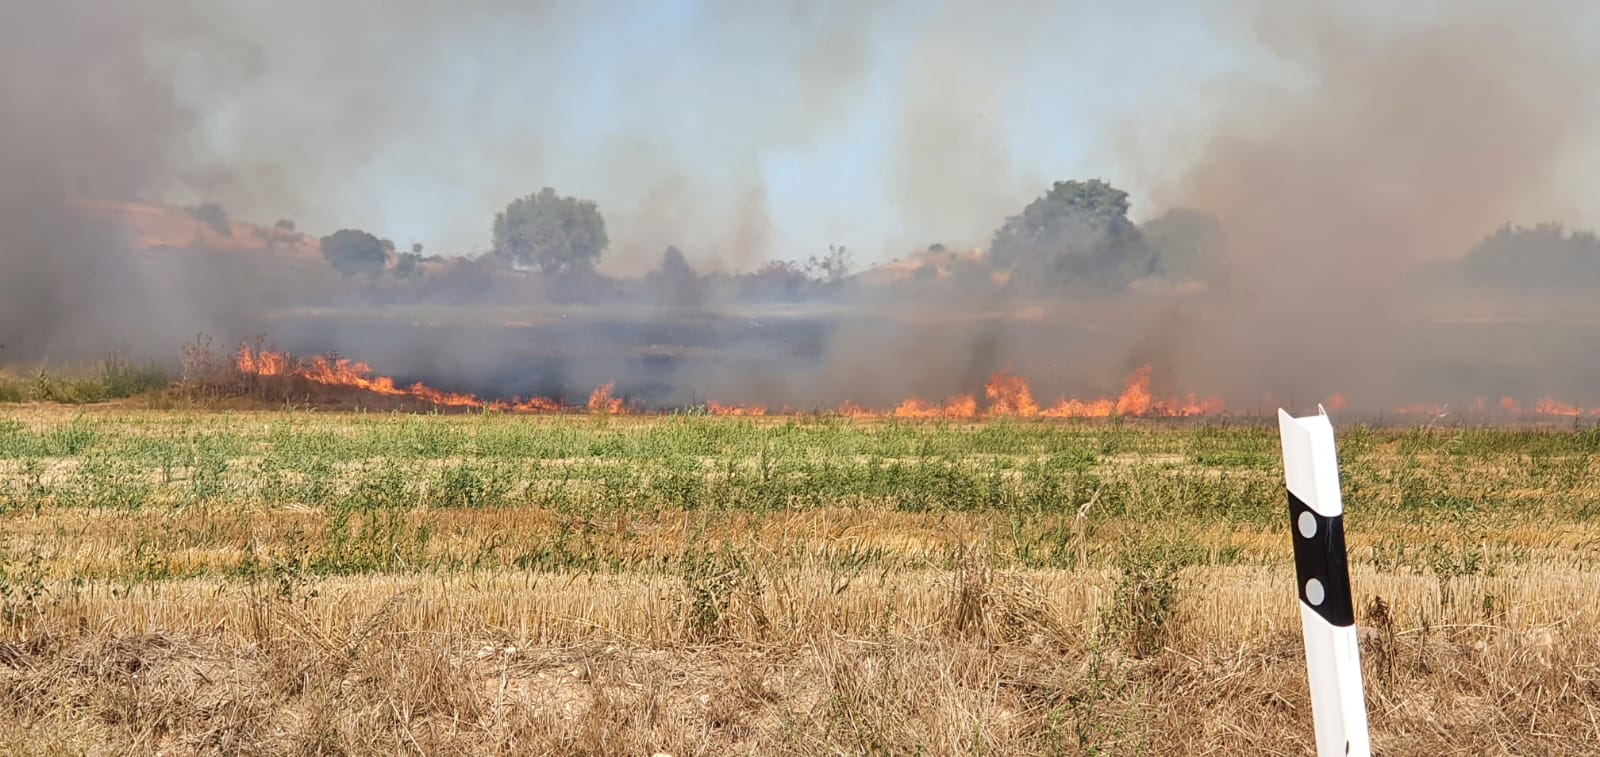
{"points": [[299, 582]]}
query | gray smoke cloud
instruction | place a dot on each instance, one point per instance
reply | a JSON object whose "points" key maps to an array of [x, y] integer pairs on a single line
{"points": [[1404, 137], [288, 109], [87, 112], [1383, 141]]}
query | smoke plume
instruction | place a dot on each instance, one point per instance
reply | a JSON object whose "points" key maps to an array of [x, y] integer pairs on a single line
{"points": [[1357, 147], [1400, 139]]}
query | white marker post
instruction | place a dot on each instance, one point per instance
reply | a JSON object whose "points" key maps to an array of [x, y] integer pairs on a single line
{"points": [[1327, 612]]}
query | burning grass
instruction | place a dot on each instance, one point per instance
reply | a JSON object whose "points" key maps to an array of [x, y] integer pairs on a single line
{"points": [[262, 371], [267, 377], [312, 582]]}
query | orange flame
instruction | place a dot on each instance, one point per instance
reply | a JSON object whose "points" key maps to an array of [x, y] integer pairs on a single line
{"points": [[852, 410], [1548, 405], [957, 407], [1010, 394], [339, 372], [601, 401], [535, 405], [961, 406], [1135, 400], [716, 408], [264, 364], [1076, 408], [917, 407]]}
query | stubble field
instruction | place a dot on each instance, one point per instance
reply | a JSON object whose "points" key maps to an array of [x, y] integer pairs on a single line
{"points": [[178, 581]]}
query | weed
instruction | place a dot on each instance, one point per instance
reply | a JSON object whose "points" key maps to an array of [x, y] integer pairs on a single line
{"points": [[22, 587], [718, 586]]}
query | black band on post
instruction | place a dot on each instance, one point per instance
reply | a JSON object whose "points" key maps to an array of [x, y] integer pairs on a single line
{"points": [[1320, 557]]}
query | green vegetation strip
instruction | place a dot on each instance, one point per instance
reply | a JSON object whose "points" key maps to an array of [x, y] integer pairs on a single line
{"points": [[360, 493]]}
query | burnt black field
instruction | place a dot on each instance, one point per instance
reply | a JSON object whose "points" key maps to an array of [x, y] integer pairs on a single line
{"points": [[811, 356]]}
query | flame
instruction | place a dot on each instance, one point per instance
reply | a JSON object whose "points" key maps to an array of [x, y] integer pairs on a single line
{"points": [[1548, 405], [1076, 408], [446, 399], [263, 364], [917, 407], [1135, 400], [1010, 394], [961, 406], [852, 410], [340, 372], [535, 405], [716, 408], [1194, 406], [601, 401]]}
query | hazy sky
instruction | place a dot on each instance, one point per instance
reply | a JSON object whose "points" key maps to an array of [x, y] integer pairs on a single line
{"points": [[713, 126], [737, 131]]}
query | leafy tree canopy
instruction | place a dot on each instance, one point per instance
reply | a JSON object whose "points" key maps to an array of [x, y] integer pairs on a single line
{"points": [[351, 251], [1076, 235], [550, 232]]}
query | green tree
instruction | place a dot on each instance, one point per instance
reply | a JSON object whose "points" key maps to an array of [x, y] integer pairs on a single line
{"points": [[351, 251], [1077, 235], [551, 232]]}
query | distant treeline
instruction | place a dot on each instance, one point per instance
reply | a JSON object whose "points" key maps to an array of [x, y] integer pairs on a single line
{"points": [[1545, 256], [1076, 238]]}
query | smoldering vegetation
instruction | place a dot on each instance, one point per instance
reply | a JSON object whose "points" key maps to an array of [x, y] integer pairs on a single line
{"points": [[1365, 224]]}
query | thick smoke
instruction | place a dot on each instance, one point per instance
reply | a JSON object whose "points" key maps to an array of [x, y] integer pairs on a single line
{"points": [[1362, 145], [1365, 148], [315, 112], [75, 122], [1400, 140], [92, 112]]}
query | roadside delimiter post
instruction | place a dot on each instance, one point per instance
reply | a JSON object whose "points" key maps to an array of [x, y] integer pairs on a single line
{"points": [[1327, 612]]}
